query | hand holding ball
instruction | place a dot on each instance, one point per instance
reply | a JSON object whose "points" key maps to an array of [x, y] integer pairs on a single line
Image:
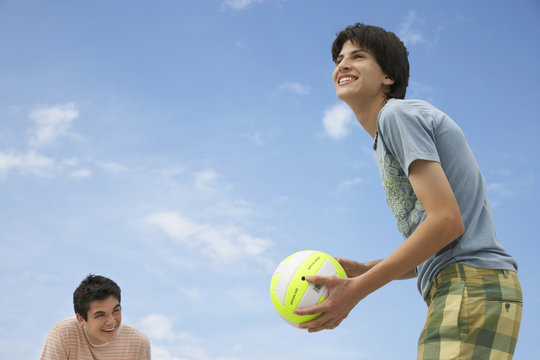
{"points": [[289, 290]]}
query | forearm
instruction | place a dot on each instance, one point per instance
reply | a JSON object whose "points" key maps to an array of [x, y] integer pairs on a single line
{"points": [[442, 224], [411, 274], [431, 235], [407, 275]]}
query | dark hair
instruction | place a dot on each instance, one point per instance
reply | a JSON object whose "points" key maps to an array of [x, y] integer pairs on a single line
{"points": [[93, 287], [388, 50]]}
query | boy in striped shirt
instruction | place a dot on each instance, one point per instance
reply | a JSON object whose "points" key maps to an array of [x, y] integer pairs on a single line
{"points": [[97, 332]]}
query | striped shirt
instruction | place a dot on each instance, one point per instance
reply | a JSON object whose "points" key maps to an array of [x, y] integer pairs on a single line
{"points": [[67, 340]]}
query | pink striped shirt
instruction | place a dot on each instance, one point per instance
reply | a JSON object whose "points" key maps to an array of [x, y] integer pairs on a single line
{"points": [[67, 340]]}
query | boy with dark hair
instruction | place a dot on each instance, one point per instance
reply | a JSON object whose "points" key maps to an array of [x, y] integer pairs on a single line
{"points": [[437, 193], [97, 331]]}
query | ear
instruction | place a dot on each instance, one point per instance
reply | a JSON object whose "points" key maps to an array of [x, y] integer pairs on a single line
{"points": [[80, 320], [388, 81]]}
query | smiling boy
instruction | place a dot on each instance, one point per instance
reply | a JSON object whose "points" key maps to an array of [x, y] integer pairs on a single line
{"points": [[97, 331], [437, 193]]}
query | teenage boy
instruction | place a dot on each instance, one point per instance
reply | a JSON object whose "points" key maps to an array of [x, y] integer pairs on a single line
{"points": [[97, 331], [438, 196]]}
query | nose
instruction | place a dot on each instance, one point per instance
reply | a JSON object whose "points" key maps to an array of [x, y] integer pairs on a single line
{"points": [[110, 320], [341, 68], [343, 65]]}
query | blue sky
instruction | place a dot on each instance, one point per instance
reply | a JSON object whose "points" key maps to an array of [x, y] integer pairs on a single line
{"points": [[184, 148]]}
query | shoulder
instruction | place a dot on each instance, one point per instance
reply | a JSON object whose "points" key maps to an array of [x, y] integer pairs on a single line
{"points": [[62, 340], [401, 116], [68, 326], [129, 332], [136, 341], [403, 110], [67, 331]]}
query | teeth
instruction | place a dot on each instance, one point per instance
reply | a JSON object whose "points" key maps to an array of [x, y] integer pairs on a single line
{"points": [[345, 79]]}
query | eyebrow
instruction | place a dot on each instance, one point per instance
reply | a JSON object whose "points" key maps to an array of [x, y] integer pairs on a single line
{"points": [[353, 52]]}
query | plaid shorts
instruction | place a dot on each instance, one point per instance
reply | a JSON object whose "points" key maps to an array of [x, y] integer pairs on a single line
{"points": [[473, 314]]}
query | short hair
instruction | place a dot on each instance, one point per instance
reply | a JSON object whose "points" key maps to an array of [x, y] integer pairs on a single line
{"points": [[388, 50], [92, 288]]}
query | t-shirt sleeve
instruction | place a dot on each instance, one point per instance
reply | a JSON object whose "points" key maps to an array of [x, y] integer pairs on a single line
{"points": [[408, 134], [54, 348], [139, 342], [146, 352]]}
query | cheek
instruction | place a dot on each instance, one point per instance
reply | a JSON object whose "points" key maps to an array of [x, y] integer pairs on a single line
{"points": [[97, 324], [334, 75], [92, 328]]}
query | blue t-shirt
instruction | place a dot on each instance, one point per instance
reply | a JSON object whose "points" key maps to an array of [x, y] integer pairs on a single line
{"points": [[410, 130]]}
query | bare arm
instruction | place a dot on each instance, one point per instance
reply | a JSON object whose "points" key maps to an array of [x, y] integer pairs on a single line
{"points": [[354, 268], [441, 226]]}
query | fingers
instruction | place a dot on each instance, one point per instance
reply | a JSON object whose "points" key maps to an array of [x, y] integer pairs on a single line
{"points": [[332, 312], [315, 309], [347, 263], [311, 310], [313, 326], [329, 280], [351, 267], [317, 279], [324, 322]]}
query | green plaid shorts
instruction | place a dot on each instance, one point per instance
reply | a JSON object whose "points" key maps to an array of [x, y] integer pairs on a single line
{"points": [[473, 314]]}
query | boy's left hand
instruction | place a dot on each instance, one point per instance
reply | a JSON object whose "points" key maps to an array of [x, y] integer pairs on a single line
{"points": [[342, 298]]}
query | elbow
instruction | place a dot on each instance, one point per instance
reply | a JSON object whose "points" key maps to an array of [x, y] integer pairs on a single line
{"points": [[449, 226], [455, 228], [460, 227]]}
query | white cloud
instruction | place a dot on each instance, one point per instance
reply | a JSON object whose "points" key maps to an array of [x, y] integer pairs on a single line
{"points": [[73, 161], [418, 90], [223, 244], [407, 34], [174, 225], [295, 88], [204, 179], [80, 174], [157, 326], [192, 293], [233, 209], [361, 164], [256, 138], [51, 123], [13, 348], [346, 184], [337, 121], [30, 162], [168, 344], [163, 353], [500, 189], [8, 161], [239, 4], [112, 167]]}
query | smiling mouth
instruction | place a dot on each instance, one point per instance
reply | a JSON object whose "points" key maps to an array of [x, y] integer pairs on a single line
{"points": [[110, 331], [346, 79]]}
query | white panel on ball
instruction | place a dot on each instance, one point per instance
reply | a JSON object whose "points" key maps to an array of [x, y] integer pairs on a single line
{"points": [[288, 272], [314, 292]]}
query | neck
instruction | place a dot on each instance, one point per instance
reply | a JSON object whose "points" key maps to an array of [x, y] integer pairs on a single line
{"points": [[367, 113]]}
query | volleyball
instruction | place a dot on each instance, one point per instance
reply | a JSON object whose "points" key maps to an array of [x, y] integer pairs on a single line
{"points": [[289, 291]]}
